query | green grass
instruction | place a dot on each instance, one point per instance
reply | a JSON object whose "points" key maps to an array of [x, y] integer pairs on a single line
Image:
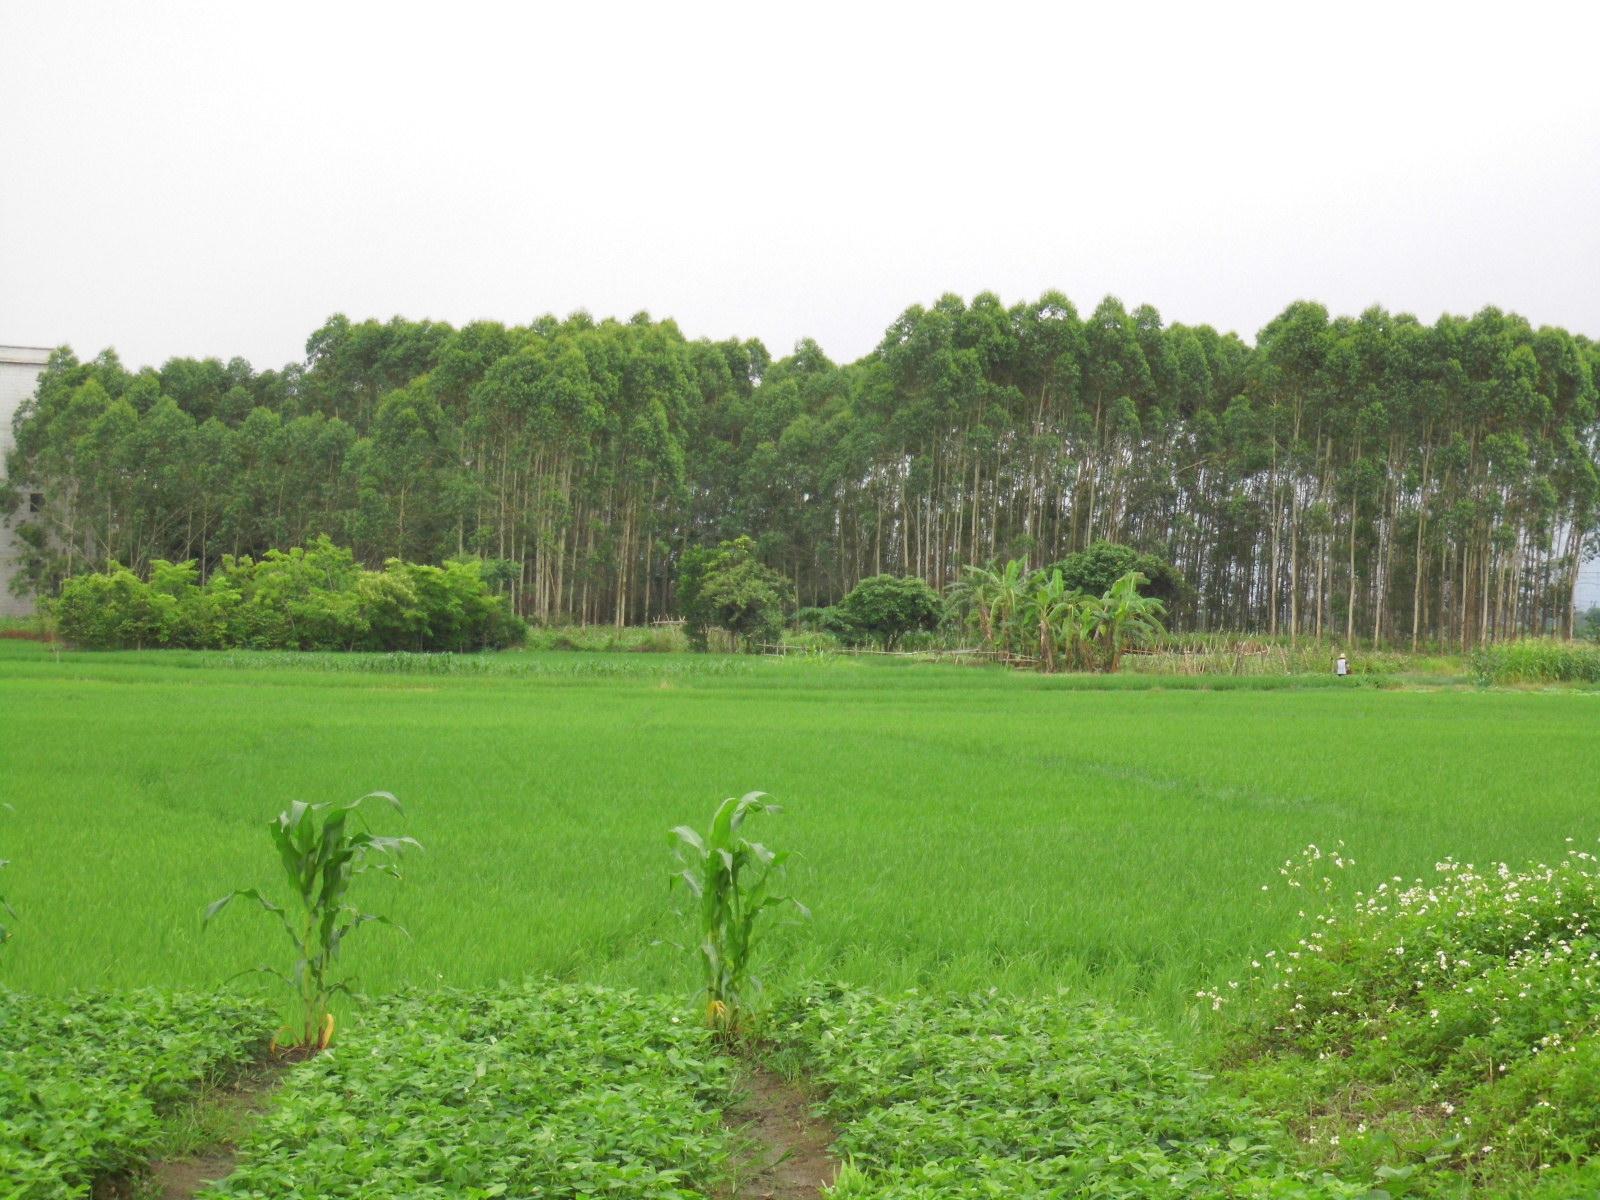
{"points": [[955, 827]]}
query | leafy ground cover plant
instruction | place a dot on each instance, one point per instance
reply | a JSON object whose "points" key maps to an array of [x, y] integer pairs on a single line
{"points": [[730, 880], [85, 1080], [321, 854], [516, 1091], [988, 1096], [1441, 1031]]}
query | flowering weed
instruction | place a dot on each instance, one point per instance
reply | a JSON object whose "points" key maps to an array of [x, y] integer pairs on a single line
{"points": [[1446, 1024]]}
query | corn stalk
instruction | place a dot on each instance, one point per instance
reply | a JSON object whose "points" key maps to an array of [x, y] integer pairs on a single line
{"points": [[321, 856], [730, 878]]}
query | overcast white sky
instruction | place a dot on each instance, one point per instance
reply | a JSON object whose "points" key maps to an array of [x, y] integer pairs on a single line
{"points": [[200, 179]]}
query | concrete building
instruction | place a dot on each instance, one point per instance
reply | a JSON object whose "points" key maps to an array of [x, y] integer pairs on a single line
{"points": [[19, 372]]}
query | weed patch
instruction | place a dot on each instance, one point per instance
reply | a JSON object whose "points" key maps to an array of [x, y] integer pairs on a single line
{"points": [[1441, 1031]]}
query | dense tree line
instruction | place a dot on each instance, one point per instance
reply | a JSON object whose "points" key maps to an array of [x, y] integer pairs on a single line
{"points": [[1355, 476]]}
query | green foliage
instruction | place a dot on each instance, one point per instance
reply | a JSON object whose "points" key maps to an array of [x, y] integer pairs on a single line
{"points": [[515, 1091], [321, 856], [1319, 481], [1038, 615], [1122, 617], [633, 639], [1589, 629], [887, 607], [729, 879], [317, 598], [988, 1095], [830, 620], [85, 1080], [1535, 660], [730, 588], [1095, 569], [1444, 1028]]}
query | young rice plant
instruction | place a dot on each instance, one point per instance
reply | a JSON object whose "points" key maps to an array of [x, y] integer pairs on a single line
{"points": [[5, 909], [321, 856], [731, 879]]}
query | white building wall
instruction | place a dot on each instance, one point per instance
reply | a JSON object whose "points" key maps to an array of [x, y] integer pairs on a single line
{"points": [[19, 372]]}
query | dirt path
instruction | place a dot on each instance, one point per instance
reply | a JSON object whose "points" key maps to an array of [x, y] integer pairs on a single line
{"points": [[228, 1112], [784, 1155]]}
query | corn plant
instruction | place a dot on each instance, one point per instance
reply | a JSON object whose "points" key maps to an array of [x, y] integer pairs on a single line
{"points": [[321, 855], [730, 878]]}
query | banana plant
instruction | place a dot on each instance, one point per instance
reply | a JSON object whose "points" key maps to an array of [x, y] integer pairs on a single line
{"points": [[730, 879], [1051, 612], [1122, 616], [321, 854]]}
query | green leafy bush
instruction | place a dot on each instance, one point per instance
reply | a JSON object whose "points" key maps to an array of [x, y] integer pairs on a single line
{"points": [[1536, 660], [729, 588], [446, 1095], [830, 620], [887, 607], [1094, 569], [315, 598], [983, 1096], [1589, 627], [85, 1080]]}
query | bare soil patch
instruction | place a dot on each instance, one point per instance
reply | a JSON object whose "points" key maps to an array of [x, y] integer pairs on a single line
{"points": [[784, 1147]]}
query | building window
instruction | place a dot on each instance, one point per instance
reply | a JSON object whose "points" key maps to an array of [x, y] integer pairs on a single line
{"points": [[35, 503]]}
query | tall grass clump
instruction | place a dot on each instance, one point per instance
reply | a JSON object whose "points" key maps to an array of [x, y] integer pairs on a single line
{"points": [[5, 909], [730, 880], [1445, 1029], [321, 855], [638, 639], [1536, 660]]}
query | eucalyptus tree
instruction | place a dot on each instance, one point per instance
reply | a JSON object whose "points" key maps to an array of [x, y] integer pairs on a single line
{"points": [[1366, 476]]}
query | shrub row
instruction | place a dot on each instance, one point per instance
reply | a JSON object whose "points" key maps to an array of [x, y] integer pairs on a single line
{"points": [[316, 598]]}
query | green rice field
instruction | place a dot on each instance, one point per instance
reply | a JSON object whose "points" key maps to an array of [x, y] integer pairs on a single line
{"points": [[955, 827]]}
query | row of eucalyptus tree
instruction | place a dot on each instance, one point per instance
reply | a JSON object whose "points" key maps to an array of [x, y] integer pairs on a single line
{"points": [[1354, 476]]}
